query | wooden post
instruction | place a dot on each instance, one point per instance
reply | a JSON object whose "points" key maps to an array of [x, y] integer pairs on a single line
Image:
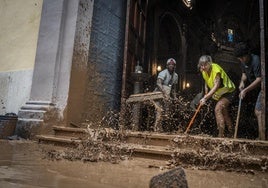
{"points": [[262, 58]]}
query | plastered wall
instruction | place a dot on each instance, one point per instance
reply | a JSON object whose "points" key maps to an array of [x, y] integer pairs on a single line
{"points": [[19, 23]]}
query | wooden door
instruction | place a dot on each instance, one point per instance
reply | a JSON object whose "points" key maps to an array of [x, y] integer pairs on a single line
{"points": [[135, 38]]}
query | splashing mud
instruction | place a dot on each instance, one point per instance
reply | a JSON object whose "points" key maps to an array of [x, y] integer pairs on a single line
{"points": [[105, 144], [107, 141], [22, 164]]}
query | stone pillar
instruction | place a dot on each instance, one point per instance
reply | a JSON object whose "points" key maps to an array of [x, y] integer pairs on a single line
{"points": [[51, 76], [80, 63], [136, 110], [138, 80]]}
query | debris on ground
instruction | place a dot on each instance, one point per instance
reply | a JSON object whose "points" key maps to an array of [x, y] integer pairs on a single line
{"points": [[105, 142]]}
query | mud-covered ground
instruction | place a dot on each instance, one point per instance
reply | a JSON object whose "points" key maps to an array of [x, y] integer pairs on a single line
{"points": [[101, 160], [105, 144], [24, 164]]}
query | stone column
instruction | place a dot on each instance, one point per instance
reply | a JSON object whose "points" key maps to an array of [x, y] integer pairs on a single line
{"points": [[136, 110], [138, 80], [51, 76]]}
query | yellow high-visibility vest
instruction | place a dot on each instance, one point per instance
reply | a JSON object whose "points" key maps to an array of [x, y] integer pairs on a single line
{"points": [[228, 85]]}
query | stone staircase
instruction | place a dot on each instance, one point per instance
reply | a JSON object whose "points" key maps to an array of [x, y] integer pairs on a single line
{"points": [[184, 150]]}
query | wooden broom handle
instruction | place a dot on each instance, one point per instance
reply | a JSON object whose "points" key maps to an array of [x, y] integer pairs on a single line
{"points": [[192, 120]]}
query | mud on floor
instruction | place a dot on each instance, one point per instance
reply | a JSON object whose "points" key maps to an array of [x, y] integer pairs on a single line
{"points": [[108, 145]]}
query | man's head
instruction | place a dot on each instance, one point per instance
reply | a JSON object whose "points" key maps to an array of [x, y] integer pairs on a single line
{"points": [[171, 63], [242, 52]]}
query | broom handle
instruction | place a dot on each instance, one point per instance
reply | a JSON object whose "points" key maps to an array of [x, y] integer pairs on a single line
{"points": [[237, 118], [192, 120]]}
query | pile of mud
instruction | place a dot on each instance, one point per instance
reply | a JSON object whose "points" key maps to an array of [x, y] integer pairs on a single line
{"points": [[221, 154], [108, 144], [100, 145], [211, 154]]}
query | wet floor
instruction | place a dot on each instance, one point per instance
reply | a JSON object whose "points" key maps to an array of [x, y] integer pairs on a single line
{"points": [[22, 164]]}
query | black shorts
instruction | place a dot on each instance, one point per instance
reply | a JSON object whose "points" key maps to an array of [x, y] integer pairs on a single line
{"points": [[232, 97]]}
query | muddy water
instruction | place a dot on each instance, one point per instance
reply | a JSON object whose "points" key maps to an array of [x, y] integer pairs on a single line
{"points": [[22, 164]]}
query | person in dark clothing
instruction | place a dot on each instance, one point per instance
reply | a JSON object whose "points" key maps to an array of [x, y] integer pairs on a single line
{"points": [[251, 80]]}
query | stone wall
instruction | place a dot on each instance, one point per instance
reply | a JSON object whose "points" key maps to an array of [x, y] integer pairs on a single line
{"points": [[104, 68]]}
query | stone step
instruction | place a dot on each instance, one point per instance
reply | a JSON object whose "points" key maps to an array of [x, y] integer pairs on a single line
{"points": [[219, 160], [70, 131], [150, 151], [37, 105], [31, 114], [149, 138], [34, 107], [58, 140], [225, 145], [200, 158], [182, 141], [138, 150], [203, 158]]}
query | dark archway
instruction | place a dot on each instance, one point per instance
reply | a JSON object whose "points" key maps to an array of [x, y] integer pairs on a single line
{"points": [[169, 41], [169, 44]]}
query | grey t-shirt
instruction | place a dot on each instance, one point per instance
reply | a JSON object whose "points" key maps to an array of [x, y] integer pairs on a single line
{"points": [[166, 77]]}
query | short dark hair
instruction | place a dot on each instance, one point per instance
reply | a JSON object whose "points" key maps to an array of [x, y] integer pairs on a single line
{"points": [[241, 49]]}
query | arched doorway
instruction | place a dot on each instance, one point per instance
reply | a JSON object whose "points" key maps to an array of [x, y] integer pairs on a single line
{"points": [[169, 44]]}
